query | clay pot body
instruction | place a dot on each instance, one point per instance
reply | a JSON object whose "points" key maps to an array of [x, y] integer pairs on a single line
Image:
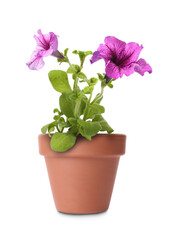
{"points": [[83, 177]]}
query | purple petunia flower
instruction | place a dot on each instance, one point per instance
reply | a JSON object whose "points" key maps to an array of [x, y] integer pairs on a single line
{"points": [[47, 44], [120, 58]]}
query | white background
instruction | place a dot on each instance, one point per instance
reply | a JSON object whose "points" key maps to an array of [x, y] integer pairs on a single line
{"points": [[137, 106]]}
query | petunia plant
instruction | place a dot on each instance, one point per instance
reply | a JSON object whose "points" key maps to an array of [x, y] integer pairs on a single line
{"points": [[80, 112]]}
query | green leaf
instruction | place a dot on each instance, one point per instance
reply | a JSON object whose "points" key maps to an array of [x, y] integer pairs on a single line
{"points": [[73, 96], [44, 128], [105, 126], [93, 81], [82, 57], [110, 85], [94, 109], [71, 70], [59, 81], [64, 125], [82, 75], [51, 127], [88, 53], [74, 68], [50, 131], [67, 105], [56, 117], [81, 131], [72, 121], [73, 130], [88, 89], [61, 142], [77, 68], [75, 52], [62, 60], [90, 128], [74, 76], [97, 108], [82, 104], [101, 77], [61, 123], [65, 52], [56, 110]]}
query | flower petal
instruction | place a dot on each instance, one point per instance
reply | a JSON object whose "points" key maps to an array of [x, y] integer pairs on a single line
{"points": [[115, 45], [96, 56], [112, 70], [105, 52], [141, 66], [47, 43], [41, 42], [36, 62], [128, 70], [131, 54], [53, 41], [47, 53]]}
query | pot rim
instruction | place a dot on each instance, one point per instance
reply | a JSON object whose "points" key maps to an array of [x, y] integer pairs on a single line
{"points": [[102, 144], [103, 134]]}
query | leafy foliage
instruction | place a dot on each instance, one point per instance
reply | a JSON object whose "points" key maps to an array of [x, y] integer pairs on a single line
{"points": [[89, 128], [93, 110], [78, 113], [104, 125], [62, 141], [82, 55], [59, 81]]}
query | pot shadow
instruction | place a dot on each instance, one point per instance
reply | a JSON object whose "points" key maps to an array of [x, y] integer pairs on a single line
{"points": [[83, 214]]}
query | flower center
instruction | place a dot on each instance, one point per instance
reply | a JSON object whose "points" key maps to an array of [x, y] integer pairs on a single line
{"points": [[114, 59], [47, 46]]}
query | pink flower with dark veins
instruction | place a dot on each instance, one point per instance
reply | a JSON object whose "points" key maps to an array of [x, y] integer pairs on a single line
{"points": [[121, 58], [47, 44], [36, 61]]}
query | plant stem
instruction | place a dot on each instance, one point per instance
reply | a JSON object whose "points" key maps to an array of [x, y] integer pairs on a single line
{"points": [[58, 128], [71, 66], [77, 106], [75, 83], [76, 80], [99, 96], [86, 108], [78, 101], [90, 97], [102, 90]]}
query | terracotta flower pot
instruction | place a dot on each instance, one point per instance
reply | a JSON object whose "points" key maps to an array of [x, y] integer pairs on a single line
{"points": [[83, 177]]}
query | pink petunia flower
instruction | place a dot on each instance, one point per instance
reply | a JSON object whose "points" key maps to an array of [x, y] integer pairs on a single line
{"points": [[47, 44], [121, 58], [36, 61]]}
